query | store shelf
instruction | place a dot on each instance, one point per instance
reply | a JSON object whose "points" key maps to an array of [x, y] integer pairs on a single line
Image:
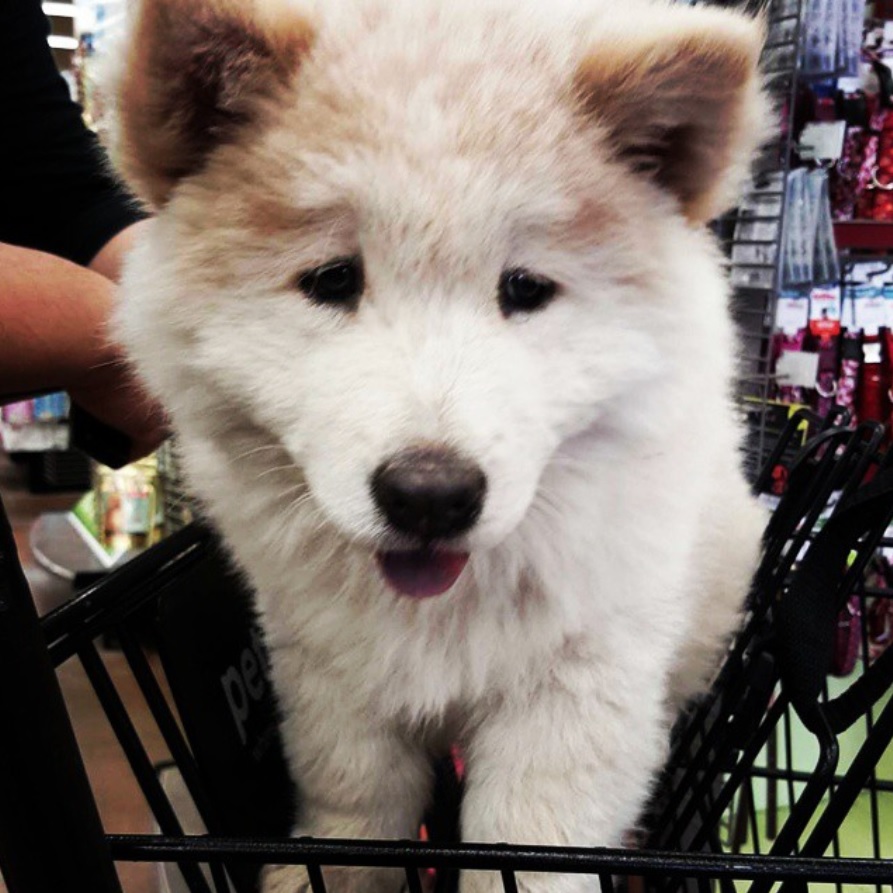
{"points": [[863, 235]]}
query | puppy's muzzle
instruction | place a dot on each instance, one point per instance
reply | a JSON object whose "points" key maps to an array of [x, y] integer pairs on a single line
{"points": [[429, 492]]}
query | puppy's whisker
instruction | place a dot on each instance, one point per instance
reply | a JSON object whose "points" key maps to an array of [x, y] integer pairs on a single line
{"points": [[303, 502], [255, 450], [299, 485], [276, 469]]}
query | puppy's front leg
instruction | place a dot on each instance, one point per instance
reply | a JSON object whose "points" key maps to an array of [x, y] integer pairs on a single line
{"points": [[357, 777], [568, 765]]}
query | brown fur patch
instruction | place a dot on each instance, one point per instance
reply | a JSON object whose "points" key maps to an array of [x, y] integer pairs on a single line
{"points": [[196, 75], [677, 103], [271, 214]]}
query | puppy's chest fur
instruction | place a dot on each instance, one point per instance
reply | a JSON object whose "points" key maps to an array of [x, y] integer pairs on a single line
{"points": [[418, 661], [436, 674]]}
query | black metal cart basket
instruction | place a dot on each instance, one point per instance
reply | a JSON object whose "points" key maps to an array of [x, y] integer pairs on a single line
{"points": [[767, 777]]}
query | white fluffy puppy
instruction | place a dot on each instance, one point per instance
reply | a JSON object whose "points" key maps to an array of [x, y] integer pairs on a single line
{"points": [[430, 299]]}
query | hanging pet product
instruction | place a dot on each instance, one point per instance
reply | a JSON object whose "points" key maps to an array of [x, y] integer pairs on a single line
{"points": [[833, 37]]}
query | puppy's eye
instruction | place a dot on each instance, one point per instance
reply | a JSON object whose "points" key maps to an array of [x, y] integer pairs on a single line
{"points": [[338, 283], [521, 291]]}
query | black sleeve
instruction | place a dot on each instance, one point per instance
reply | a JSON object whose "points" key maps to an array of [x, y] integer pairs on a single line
{"points": [[57, 193]]}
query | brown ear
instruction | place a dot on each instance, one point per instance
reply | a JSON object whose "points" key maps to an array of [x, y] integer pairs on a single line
{"points": [[681, 101], [196, 71]]}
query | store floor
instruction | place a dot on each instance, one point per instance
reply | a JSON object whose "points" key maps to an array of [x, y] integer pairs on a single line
{"points": [[121, 804]]}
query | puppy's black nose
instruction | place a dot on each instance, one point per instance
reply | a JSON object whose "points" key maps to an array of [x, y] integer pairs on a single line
{"points": [[429, 492]]}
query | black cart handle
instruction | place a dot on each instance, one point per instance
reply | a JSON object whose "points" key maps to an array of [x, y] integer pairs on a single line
{"points": [[806, 614]]}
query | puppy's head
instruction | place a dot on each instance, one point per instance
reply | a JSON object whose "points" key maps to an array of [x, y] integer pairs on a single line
{"points": [[420, 246]]}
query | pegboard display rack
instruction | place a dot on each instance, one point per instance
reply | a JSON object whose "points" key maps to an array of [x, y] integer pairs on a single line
{"points": [[753, 234]]}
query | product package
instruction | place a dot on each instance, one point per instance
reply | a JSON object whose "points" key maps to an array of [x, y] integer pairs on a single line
{"points": [[832, 40], [123, 512]]}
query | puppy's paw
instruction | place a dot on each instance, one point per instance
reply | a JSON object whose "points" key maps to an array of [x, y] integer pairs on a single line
{"points": [[529, 882], [294, 879], [285, 879]]}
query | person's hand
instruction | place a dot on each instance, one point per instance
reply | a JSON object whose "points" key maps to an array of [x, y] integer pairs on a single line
{"points": [[111, 394], [54, 318]]}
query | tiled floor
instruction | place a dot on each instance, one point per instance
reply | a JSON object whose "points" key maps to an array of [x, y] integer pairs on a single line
{"points": [[120, 802]]}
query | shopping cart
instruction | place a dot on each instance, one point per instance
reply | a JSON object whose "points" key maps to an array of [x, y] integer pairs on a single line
{"points": [[765, 777]]}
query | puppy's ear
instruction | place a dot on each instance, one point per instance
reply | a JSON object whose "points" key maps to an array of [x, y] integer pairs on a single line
{"points": [[681, 101], [196, 72]]}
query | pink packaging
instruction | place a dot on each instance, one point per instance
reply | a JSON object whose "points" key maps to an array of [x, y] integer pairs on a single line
{"points": [[21, 413]]}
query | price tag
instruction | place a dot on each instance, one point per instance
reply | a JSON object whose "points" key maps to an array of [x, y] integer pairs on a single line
{"points": [[798, 368], [888, 303], [792, 312], [822, 141], [869, 309], [824, 311]]}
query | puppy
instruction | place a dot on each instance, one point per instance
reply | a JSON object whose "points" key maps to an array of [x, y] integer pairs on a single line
{"points": [[432, 304]]}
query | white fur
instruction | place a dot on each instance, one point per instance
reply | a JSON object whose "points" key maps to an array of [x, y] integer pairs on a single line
{"points": [[617, 537]]}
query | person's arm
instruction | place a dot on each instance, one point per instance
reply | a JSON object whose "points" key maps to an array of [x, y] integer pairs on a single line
{"points": [[60, 200], [109, 261], [53, 332], [59, 194]]}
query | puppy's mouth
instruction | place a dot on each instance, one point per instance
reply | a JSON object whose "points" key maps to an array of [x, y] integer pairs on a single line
{"points": [[421, 573]]}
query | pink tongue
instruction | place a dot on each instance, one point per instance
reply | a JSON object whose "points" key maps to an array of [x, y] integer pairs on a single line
{"points": [[422, 573]]}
